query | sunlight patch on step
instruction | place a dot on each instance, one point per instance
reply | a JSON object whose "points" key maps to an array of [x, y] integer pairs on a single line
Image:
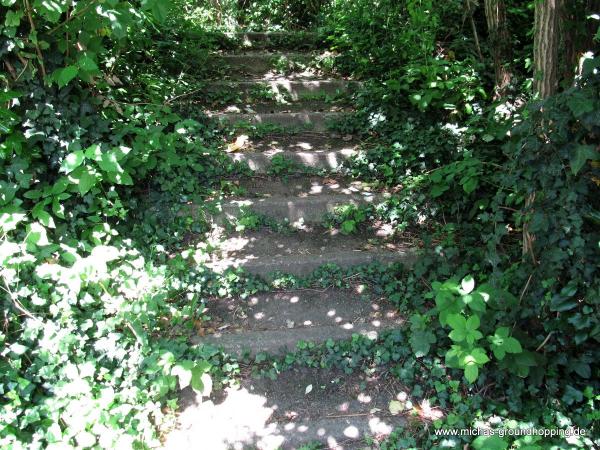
{"points": [[246, 420]]}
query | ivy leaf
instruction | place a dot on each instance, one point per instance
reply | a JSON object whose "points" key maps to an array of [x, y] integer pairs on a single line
{"points": [[36, 235], [10, 218], [72, 161], [7, 192], [43, 216], [51, 9], [579, 104], [579, 155], [572, 395], [201, 381], [183, 371], [109, 163], [421, 341], [86, 182], [521, 363]]}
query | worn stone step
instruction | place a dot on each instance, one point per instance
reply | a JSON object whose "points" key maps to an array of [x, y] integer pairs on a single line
{"points": [[309, 209], [278, 40], [261, 64], [306, 186], [330, 160], [301, 252], [293, 121], [314, 150], [286, 88], [338, 411], [270, 107], [272, 321]]}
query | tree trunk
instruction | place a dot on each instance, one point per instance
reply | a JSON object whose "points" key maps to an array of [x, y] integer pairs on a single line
{"points": [[500, 43], [545, 79], [546, 43]]}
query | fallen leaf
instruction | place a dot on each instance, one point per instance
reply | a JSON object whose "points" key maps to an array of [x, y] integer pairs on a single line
{"points": [[395, 407], [308, 389], [240, 142]]}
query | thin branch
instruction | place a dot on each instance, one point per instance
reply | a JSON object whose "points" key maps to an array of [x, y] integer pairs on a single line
{"points": [[11, 70], [71, 17], [525, 288], [171, 100], [33, 30], [23, 71], [545, 341], [474, 27], [18, 304]]}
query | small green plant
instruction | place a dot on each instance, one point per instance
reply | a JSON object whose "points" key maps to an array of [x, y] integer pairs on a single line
{"points": [[252, 221], [466, 172], [462, 308], [282, 166], [347, 217]]}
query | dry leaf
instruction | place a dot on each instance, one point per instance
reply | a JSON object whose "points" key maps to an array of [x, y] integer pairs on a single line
{"points": [[240, 142]]}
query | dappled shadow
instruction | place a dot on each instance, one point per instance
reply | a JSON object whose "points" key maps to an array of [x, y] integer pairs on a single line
{"points": [[301, 406], [307, 150], [269, 322], [302, 308], [301, 252]]}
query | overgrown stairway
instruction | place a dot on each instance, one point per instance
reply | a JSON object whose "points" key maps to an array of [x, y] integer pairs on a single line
{"points": [[327, 409]]}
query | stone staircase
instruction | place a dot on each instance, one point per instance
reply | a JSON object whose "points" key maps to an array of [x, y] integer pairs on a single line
{"points": [[325, 409]]}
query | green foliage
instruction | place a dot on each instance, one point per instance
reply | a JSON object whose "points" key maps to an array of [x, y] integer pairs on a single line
{"points": [[421, 337], [464, 316], [440, 84], [252, 221], [347, 217], [282, 166]]}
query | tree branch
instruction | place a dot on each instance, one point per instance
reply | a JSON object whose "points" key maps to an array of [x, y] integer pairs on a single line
{"points": [[33, 30]]}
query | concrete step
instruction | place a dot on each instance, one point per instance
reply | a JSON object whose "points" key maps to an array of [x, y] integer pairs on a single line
{"points": [[308, 209], [270, 107], [287, 88], [292, 121], [305, 186], [262, 64], [272, 321], [301, 252], [338, 411], [314, 150], [278, 40]]}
